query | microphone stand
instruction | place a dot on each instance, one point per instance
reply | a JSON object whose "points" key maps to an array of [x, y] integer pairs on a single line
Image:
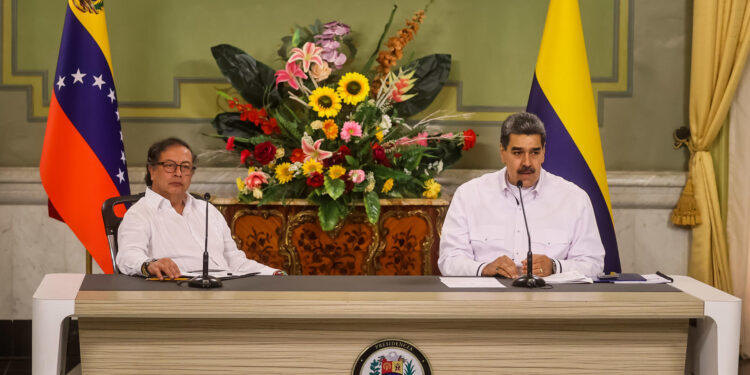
{"points": [[205, 281], [529, 280]]}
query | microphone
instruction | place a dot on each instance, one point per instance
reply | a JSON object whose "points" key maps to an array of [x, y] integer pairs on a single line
{"points": [[205, 281], [529, 280]]}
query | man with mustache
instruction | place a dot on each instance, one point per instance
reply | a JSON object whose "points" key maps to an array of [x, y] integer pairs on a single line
{"points": [[163, 234], [484, 231]]}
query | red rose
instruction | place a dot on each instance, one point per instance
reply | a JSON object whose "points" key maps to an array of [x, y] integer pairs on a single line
{"points": [[315, 179], [338, 157], [470, 139], [264, 152], [298, 156], [230, 143], [343, 150], [378, 154], [244, 155]]}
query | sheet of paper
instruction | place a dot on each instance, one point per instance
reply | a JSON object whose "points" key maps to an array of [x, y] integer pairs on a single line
{"points": [[650, 279], [214, 273], [570, 277], [471, 282]]}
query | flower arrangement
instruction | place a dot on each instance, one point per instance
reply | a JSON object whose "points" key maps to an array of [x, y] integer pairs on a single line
{"points": [[318, 130]]}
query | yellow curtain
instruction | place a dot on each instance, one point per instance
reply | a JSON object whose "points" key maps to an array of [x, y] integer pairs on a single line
{"points": [[719, 51]]}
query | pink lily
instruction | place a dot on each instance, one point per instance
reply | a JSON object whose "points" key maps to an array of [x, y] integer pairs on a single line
{"points": [[313, 151], [310, 53], [289, 75]]}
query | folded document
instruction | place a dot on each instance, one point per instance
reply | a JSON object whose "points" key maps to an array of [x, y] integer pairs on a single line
{"points": [[570, 277]]}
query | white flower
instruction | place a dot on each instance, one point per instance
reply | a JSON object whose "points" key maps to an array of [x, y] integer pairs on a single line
{"points": [[439, 166], [317, 124], [257, 193], [385, 122], [370, 182], [279, 153], [370, 186], [407, 171]]}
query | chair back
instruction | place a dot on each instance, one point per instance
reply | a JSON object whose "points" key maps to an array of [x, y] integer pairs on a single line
{"points": [[112, 222]]}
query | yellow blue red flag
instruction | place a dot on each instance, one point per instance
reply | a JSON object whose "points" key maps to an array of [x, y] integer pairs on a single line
{"points": [[562, 97], [83, 157]]}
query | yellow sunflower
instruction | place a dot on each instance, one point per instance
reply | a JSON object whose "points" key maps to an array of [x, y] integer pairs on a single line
{"points": [[353, 88], [310, 166], [330, 129], [325, 101], [336, 171], [387, 186], [432, 189], [283, 174]]}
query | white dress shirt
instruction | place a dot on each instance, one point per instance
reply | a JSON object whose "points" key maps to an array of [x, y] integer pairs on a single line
{"points": [[485, 222], [151, 228]]}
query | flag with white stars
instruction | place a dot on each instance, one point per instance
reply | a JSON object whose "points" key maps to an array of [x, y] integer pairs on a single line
{"points": [[83, 157]]}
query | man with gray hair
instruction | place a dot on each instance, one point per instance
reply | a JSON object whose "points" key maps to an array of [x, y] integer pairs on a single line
{"points": [[484, 231]]}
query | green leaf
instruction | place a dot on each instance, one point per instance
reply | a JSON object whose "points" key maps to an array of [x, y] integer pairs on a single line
{"points": [[288, 127], [229, 124], [351, 161], [224, 95], [250, 77], [329, 214], [372, 206], [296, 37], [334, 188], [386, 173], [431, 73]]}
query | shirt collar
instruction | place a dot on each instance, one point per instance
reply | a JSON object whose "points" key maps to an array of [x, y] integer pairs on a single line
{"points": [[156, 201], [506, 187]]}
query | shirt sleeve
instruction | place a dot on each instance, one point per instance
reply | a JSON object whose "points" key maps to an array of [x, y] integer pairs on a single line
{"points": [[133, 239], [236, 259], [456, 254], [586, 254]]}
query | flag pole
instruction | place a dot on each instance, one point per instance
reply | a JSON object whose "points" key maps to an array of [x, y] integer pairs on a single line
{"points": [[88, 262]]}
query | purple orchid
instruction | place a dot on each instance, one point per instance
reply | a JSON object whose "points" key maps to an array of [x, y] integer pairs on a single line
{"points": [[330, 41]]}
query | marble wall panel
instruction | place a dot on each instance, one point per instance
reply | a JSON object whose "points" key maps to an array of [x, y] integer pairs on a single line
{"points": [[7, 243]]}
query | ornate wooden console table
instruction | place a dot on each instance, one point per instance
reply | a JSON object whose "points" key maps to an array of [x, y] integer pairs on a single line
{"points": [[405, 240]]}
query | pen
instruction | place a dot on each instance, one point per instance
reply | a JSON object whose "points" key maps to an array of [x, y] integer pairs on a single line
{"points": [[167, 279], [671, 280]]}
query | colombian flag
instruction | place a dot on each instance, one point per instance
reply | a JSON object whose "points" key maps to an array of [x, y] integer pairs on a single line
{"points": [[562, 97], [83, 158]]}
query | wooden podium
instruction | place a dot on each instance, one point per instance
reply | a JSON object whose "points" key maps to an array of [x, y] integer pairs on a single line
{"points": [[316, 325]]}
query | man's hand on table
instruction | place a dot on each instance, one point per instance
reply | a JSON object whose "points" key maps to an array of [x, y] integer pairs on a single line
{"points": [[541, 265], [502, 266], [164, 267]]}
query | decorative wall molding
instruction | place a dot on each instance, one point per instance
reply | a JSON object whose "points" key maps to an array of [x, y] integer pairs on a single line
{"points": [[628, 189], [619, 83]]}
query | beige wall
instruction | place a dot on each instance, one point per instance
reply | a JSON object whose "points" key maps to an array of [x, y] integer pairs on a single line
{"points": [[493, 43]]}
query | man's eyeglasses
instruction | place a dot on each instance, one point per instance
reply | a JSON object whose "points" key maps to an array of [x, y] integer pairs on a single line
{"points": [[170, 167]]}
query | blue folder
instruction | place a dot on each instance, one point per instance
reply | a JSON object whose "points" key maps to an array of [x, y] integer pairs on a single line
{"points": [[622, 277]]}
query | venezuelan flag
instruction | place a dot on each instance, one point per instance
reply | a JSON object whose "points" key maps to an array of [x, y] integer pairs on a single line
{"points": [[562, 97], [83, 157]]}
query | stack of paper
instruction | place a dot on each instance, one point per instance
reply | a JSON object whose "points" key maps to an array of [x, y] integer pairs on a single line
{"points": [[570, 277]]}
